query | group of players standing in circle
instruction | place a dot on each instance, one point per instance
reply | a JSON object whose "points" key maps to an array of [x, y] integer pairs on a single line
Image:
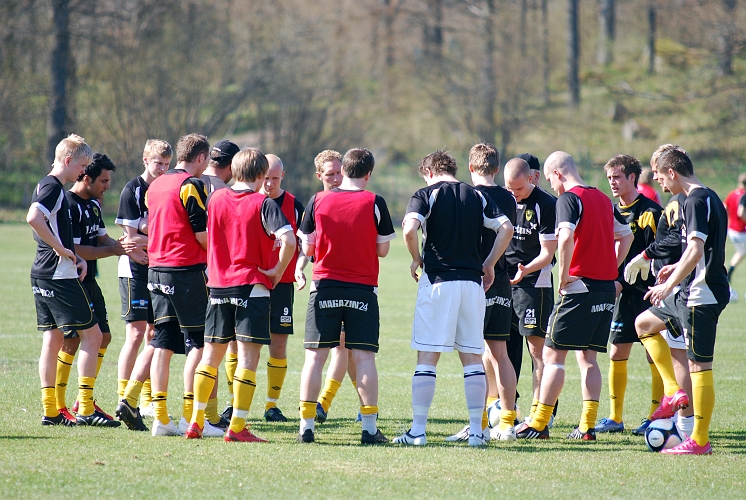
{"points": [[209, 271]]}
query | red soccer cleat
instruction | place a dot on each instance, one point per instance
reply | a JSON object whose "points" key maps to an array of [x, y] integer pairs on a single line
{"points": [[245, 436], [689, 447], [193, 432], [670, 405]]}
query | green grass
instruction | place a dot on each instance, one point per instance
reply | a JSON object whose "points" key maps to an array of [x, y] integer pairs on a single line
{"points": [[61, 462]]}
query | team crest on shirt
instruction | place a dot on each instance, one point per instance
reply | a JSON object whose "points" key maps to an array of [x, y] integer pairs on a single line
{"points": [[529, 214], [633, 226], [95, 211]]}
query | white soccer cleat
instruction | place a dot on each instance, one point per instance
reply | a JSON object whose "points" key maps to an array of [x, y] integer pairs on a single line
{"points": [[147, 411], [503, 435], [183, 425], [168, 429], [211, 431], [460, 436], [410, 440], [477, 441]]}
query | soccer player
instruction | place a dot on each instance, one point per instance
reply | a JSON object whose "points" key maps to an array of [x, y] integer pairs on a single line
{"points": [[241, 274], [450, 308], [137, 309], [701, 299], [665, 250], [587, 226], [282, 295], [91, 243], [177, 251], [61, 301], [530, 258], [328, 165], [644, 185], [736, 223], [642, 215], [534, 166], [345, 282]]}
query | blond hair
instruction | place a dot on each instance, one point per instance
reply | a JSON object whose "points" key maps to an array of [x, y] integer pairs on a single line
{"points": [[325, 156], [157, 147], [74, 147], [484, 158], [248, 165]]}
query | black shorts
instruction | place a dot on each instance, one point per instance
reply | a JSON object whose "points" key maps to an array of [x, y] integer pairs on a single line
{"points": [[700, 329], [627, 307], [245, 319], [62, 304], [99, 308], [281, 299], [136, 305], [581, 321], [179, 298], [498, 312], [329, 306], [669, 312], [531, 310]]}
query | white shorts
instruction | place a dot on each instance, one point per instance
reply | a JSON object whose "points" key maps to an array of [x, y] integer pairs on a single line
{"points": [[449, 316], [739, 240], [673, 342]]}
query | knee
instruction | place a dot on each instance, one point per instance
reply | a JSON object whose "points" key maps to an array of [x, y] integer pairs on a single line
{"points": [[105, 340]]}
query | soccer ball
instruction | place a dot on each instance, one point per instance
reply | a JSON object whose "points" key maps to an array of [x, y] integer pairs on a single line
{"points": [[662, 434], [493, 413]]}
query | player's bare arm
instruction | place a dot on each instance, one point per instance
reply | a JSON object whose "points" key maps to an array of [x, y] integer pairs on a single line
{"points": [[623, 244], [287, 249], [565, 247], [695, 248], [38, 223], [201, 238], [504, 236], [548, 247], [411, 240]]}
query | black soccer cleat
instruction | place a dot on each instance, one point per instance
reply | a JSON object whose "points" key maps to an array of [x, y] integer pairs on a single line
{"points": [[377, 438], [525, 431], [58, 420], [274, 415], [306, 437], [130, 416], [96, 419], [227, 413], [589, 435]]}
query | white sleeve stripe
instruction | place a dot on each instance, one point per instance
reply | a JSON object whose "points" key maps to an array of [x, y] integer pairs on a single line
{"points": [[415, 215], [77, 241], [128, 222], [568, 225], [547, 237], [378, 214], [102, 231], [431, 201], [495, 223], [696, 234], [42, 209], [284, 229], [308, 239], [384, 239]]}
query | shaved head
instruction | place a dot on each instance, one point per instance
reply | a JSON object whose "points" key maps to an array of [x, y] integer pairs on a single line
{"points": [[562, 162], [275, 161], [273, 178], [515, 168]]}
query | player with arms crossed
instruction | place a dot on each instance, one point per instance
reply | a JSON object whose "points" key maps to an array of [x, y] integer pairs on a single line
{"points": [[703, 296], [587, 226], [530, 257], [642, 215], [340, 223], [62, 304], [91, 243], [240, 277], [450, 309]]}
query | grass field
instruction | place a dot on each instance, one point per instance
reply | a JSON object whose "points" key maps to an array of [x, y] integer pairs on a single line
{"points": [[64, 462]]}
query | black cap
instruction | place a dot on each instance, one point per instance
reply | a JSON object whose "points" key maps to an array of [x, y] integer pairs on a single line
{"points": [[224, 151], [533, 162]]}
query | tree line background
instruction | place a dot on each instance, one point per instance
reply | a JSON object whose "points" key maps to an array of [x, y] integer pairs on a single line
{"points": [[401, 77]]}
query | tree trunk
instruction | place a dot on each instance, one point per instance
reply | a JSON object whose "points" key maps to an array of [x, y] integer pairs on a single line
{"points": [[573, 52], [652, 27], [487, 127], [726, 34], [545, 48], [607, 31], [58, 76], [522, 35]]}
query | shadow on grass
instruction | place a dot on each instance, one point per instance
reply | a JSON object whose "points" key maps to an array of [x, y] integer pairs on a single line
{"points": [[28, 437]]}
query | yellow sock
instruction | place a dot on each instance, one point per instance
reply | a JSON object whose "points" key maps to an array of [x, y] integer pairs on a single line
{"points": [[656, 389], [491, 400], [100, 360], [132, 392], [276, 370], [307, 409], [243, 393], [703, 399], [354, 384], [64, 364], [211, 412], [485, 420], [660, 353], [327, 395], [204, 382], [534, 405], [589, 415], [121, 386], [85, 395], [231, 362], [49, 402], [146, 397], [159, 407], [617, 388], [187, 408], [507, 417], [542, 416]]}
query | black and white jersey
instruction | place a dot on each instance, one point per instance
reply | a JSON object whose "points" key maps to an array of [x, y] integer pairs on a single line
{"points": [[666, 249], [212, 183], [506, 203], [705, 218], [452, 215], [88, 225], [131, 211], [49, 199], [642, 215], [535, 220]]}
